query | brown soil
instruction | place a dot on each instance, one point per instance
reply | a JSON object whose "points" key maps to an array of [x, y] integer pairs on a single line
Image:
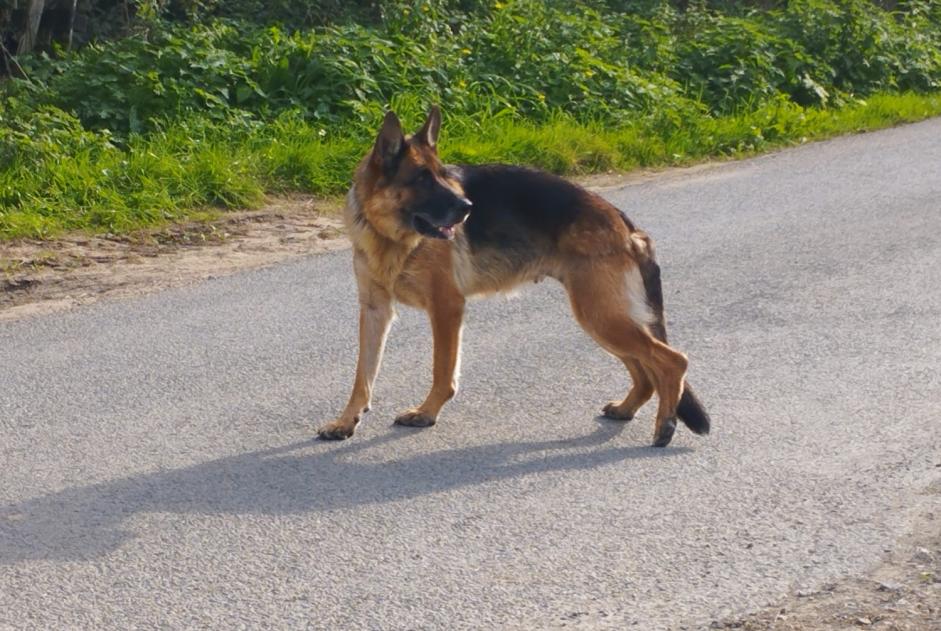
{"points": [[43, 276]]}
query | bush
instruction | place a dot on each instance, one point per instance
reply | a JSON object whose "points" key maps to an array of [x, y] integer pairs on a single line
{"points": [[729, 62], [552, 58], [861, 49], [124, 85], [525, 58]]}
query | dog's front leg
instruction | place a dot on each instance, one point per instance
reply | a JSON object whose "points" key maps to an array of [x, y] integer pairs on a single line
{"points": [[446, 317], [375, 316]]}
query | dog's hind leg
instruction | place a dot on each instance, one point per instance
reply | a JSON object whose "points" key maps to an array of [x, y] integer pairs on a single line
{"points": [[608, 300], [446, 314], [642, 389]]}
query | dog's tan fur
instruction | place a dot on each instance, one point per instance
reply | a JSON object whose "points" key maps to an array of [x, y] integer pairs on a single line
{"points": [[596, 258]]}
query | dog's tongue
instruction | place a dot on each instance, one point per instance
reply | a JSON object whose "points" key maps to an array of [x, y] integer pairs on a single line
{"points": [[446, 231]]}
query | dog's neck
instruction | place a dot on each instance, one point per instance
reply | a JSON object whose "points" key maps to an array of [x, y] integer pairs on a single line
{"points": [[385, 257]]}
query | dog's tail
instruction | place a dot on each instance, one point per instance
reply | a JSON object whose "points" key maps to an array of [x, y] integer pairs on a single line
{"points": [[689, 410]]}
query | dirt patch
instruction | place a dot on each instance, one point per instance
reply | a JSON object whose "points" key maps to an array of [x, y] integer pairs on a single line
{"points": [[43, 276], [902, 594], [610, 180]]}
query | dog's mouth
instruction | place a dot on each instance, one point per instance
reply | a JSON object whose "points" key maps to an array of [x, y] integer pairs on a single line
{"points": [[426, 227]]}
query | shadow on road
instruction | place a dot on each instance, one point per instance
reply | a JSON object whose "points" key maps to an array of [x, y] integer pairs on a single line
{"points": [[303, 477]]}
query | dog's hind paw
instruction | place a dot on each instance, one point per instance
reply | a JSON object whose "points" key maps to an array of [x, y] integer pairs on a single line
{"points": [[665, 433], [337, 430], [415, 418]]}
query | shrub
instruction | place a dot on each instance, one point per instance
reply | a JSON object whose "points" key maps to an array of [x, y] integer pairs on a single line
{"points": [[730, 62], [863, 49]]}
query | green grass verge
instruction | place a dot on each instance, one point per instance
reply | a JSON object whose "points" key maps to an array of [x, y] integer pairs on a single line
{"points": [[92, 184]]}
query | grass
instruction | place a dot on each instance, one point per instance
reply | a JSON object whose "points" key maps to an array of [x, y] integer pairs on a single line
{"points": [[180, 171]]}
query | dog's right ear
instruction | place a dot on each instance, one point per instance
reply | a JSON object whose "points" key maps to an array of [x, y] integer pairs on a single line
{"points": [[390, 144]]}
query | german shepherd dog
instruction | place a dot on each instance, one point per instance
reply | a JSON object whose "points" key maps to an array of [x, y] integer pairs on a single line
{"points": [[430, 235]]}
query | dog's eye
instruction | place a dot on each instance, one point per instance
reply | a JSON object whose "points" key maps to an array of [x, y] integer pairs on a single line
{"points": [[424, 177]]}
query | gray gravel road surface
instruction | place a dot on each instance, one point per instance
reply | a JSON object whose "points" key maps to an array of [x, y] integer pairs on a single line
{"points": [[158, 467]]}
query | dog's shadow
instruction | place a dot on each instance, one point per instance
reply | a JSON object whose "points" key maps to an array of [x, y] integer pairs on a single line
{"points": [[307, 476]]}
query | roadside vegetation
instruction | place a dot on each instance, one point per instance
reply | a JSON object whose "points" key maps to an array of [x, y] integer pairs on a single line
{"points": [[209, 104]]}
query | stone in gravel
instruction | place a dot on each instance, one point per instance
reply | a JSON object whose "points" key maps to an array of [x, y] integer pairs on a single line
{"points": [[924, 555]]}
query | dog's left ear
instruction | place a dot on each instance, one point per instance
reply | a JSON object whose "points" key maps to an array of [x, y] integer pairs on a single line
{"points": [[428, 134]]}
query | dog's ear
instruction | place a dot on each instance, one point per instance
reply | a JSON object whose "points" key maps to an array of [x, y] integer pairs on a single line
{"points": [[390, 144], [428, 134]]}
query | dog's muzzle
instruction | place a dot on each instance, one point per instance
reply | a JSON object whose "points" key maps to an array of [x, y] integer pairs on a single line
{"points": [[444, 227]]}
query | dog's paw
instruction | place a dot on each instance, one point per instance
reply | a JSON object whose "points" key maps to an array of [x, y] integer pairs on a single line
{"points": [[614, 411], [337, 430], [663, 437], [415, 418]]}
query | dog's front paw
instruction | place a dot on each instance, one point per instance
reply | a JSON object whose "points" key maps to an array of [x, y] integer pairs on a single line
{"points": [[615, 410], [339, 429], [415, 418]]}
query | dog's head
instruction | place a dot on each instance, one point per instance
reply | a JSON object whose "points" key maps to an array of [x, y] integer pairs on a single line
{"points": [[411, 190]]}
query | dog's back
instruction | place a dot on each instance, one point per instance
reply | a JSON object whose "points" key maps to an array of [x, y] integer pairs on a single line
{"points": [[527, 224]]}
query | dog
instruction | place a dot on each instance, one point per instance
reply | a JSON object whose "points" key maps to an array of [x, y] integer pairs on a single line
{"points": [[431, 235]]}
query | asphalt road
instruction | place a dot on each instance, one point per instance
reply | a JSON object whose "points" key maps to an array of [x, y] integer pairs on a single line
{"points": [[158, 467]]}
